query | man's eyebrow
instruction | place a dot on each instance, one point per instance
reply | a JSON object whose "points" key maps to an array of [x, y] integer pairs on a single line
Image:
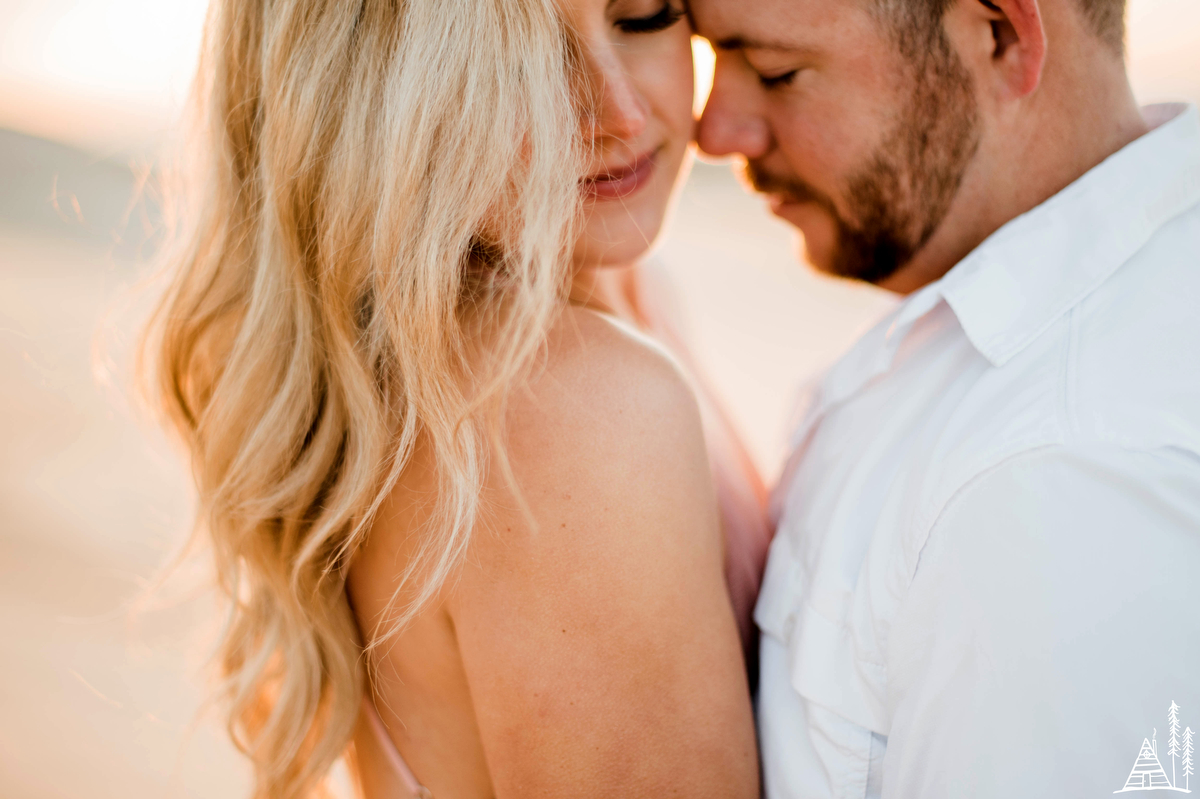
{"points": [[754, 43]]}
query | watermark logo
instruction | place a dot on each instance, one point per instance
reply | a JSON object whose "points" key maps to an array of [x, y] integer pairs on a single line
{"points": [[1148, 773]]}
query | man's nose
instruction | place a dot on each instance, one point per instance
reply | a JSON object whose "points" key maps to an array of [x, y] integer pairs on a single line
{"points": [[730, 124]]}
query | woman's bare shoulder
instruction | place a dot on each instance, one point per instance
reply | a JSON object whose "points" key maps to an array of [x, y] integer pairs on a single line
{"points": [[604, 440], [602, 378]]}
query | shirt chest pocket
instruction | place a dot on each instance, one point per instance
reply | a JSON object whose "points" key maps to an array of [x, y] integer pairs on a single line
{"points": [[809, 751], [832, 658]]}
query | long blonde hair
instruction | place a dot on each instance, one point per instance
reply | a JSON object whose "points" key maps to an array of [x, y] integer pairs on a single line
{"points": [[374, 186]]}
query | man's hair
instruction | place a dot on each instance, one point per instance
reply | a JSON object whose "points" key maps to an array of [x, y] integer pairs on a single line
{"points": [[1107, 20], [919, 21]]}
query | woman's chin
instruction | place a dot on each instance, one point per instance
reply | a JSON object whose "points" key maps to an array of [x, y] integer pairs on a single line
{"points": [[617, 239]]}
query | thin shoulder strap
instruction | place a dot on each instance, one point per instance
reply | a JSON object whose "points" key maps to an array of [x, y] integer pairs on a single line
{"points": [[393, 755]]}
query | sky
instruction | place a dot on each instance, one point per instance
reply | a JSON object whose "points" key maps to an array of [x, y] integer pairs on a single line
{"points": [[109, 75]]}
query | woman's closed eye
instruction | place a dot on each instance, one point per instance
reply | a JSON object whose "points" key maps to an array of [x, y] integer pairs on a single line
{"points": [[667, 16]]}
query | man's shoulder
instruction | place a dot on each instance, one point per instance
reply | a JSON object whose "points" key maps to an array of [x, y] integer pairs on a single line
{"points": [[1132, 374], [1120, 367]]}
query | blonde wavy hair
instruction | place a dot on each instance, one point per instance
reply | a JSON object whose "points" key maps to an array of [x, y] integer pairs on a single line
{"points": [[372, 239]]}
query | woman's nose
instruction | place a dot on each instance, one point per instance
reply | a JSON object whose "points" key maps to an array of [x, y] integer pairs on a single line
{"points": [[618, 108]]}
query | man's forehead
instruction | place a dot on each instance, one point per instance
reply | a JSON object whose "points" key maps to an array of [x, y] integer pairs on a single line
{"points": [[765, 24]]}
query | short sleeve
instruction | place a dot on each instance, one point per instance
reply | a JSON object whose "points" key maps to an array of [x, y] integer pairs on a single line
{"points": [[1053, 619]]}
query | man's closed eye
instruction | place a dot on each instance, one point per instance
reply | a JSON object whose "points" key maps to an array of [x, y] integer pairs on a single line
{"points": [[778, 81]]}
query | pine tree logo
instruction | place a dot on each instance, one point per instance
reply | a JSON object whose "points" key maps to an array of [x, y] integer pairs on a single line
{"points": [[1148, 773], [1187, 759]]}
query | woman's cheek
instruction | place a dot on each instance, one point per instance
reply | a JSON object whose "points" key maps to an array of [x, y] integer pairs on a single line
{"points": [[668, 83]]}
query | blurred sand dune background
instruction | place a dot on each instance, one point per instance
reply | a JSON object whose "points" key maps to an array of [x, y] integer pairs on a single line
{"points": [[92, 499]]}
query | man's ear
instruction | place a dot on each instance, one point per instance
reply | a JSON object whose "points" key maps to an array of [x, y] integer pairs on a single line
{"points": [[1019, 40]]}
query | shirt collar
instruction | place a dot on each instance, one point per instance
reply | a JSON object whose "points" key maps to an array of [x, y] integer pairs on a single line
{"points": [[1038, 266]]}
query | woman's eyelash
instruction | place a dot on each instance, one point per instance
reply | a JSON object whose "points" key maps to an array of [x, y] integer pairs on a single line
{"points": [[664, 19], [778, 80]]}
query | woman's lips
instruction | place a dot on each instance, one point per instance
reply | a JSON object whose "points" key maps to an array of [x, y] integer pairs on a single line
{"points": [[622, 182]]}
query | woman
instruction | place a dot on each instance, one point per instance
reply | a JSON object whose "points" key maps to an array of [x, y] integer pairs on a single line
{"points": [[413, 440]]}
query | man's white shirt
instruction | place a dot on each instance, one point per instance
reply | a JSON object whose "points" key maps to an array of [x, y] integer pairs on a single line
{"points": [[986, 576]]}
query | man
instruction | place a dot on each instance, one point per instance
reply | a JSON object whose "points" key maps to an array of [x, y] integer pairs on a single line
{"points": [[986, 578]]}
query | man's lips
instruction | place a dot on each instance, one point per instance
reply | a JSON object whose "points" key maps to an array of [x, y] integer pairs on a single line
{"points": [[780, 204], [622, 181], [777, 201]]}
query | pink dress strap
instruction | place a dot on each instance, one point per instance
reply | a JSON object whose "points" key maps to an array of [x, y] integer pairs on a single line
{"points": [[399, 767]]}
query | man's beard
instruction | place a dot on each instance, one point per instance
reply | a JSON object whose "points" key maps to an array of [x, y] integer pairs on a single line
{"points": [[897, 200]]}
